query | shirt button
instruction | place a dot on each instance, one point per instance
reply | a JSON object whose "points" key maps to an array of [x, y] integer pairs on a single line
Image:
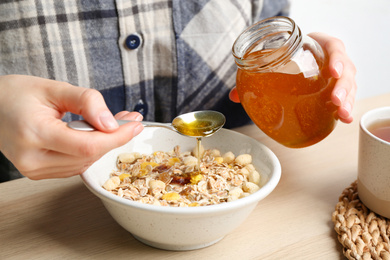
{"points": [[133, 41], [141, 107]]}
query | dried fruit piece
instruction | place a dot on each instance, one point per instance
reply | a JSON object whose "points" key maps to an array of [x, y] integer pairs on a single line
{"points": [[172, 161], [124, 176], [218, 160], [196, 178], [171, 196]]}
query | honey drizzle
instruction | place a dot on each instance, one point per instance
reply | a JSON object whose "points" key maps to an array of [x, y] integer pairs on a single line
{"points": [[198, 144]]}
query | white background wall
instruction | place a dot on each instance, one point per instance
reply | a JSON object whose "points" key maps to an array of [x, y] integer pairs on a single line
{"points": [[364, 27]]}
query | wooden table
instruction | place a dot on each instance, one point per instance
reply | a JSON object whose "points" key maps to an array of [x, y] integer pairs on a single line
{"points": [[61, 219]]}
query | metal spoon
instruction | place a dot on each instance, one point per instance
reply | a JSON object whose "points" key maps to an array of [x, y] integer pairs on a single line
{"points": [[194, 124]]}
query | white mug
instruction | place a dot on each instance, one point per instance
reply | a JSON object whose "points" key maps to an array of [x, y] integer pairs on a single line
{"points": [[374, 164]]}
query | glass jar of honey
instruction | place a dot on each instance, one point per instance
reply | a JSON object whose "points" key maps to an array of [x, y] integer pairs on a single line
{"points": [[283, 82]]}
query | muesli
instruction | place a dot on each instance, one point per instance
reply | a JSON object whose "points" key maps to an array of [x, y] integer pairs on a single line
{"points": [[173, 179]]}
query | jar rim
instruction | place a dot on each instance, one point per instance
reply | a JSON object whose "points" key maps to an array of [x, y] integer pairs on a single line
{"points": [[251, 36]]}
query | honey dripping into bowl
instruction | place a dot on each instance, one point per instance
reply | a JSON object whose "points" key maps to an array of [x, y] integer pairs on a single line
{"points": [[199, 124], [198, 153], [188, 177], [197, 129]]}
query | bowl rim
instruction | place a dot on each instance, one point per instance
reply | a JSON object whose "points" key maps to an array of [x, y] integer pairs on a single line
{"points": [[264, 191]]}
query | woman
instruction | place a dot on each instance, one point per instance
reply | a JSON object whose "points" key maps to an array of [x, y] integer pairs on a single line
{"points": [[155, 58]]}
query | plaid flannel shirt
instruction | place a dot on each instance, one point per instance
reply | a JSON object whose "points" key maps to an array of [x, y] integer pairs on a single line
{"points": [[159, 57]]}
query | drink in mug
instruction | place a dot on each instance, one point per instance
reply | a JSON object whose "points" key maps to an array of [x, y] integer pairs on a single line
{"points": [[381, 129]]}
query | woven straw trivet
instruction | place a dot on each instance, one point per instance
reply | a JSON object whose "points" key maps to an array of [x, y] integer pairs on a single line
{"points": [[363, 234]]}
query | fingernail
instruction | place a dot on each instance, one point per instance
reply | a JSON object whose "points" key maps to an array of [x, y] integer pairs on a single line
{"points": [[138, 129], [339, 67], [139, 117], [348, 109], [341, 95], [107, 120]]}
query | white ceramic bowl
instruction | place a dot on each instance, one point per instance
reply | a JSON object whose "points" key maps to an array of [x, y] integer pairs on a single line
{"points": [[174, 228]]}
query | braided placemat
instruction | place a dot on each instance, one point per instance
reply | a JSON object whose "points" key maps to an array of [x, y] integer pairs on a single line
{"points": [[363, 234]]}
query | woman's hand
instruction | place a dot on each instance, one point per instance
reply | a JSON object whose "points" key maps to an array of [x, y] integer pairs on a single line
{"points": [[341, 68], [36, 140]]}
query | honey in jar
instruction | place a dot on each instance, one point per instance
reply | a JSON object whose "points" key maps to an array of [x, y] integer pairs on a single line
{"points": [[284, 84]]}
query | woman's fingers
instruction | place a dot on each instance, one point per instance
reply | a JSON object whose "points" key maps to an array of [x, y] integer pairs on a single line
{"points": [[57, 172], [62, 149], [36, 140], [86, 144], [82, 101], [233, 95], [342, 68], [126, 115], [345, 110]]}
